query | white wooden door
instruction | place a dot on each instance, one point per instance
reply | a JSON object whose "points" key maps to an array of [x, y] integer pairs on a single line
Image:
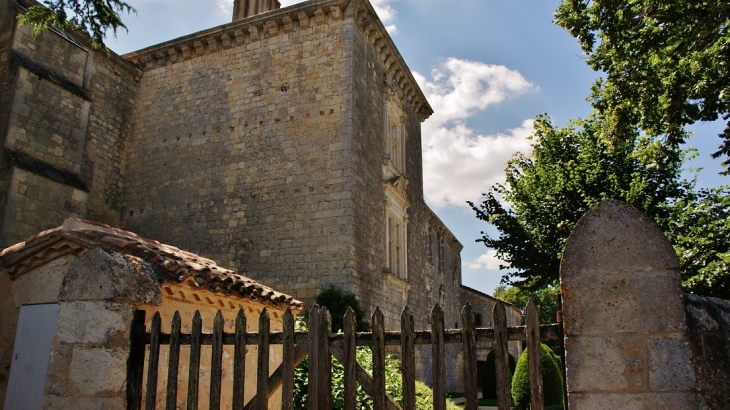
{"points": [[36, 327]]}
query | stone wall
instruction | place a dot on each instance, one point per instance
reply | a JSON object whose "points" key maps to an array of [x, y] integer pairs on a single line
{"points": [[626, 335], [242, 155], [7, 73], [270, 159], [68, 113]]}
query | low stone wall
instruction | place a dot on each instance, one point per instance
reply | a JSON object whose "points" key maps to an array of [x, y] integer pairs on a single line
{"points": [[708, 323]]}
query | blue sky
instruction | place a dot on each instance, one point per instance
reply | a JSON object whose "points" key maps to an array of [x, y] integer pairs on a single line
{"points": [[487, 67]]}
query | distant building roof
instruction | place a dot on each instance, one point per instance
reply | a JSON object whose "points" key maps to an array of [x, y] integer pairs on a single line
{"points": [[168, 262]]}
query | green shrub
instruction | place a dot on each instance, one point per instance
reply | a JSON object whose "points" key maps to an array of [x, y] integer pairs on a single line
{"points": [[489, 377], [424, 398], [552, 380], [393, 385], [337, 301], [393, 381]]}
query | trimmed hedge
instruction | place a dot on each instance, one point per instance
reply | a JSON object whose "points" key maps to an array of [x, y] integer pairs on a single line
{"points": [[552, 380]]}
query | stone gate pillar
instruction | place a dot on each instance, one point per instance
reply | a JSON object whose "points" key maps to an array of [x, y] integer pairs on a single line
{"points": [[625, 329]]}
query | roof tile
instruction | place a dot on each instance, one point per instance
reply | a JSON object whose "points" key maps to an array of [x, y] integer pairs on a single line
{"points": [[168, 262]]}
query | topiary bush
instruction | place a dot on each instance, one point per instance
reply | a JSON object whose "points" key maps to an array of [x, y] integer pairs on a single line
{"points": [[552, 380], [489, 377]]}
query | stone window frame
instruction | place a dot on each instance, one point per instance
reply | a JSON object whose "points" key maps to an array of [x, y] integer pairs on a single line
{"points": [[396, 237], [394, 135], [396, 226]]}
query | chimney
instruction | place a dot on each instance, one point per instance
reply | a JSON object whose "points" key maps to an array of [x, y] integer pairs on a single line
{"points": [[247, 8]]}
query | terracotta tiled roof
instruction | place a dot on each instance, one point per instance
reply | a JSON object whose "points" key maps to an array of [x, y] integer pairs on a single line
{"points": [[168, 262]]}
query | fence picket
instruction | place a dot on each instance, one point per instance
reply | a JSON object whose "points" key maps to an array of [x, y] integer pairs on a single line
{"points": [[151, 397], [438, 358], [470, 358], [364, 378], [275, 380], [408, 357], [174, 361], [262, 364], [239, 360], [135, 369], [561, 341], [287, 364], [325, 360], [216, 361], [532, 334], [313, 389], [378, 349], [349, 361], [319, 343], [194, 366], [501, 356]]}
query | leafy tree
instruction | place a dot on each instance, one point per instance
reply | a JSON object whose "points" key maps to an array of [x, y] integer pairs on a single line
{"points": [[700, 229], [546, 300], [570, 170], [667, 63], [93, 17]]}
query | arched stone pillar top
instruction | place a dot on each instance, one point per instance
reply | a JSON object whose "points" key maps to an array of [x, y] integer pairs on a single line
{"points": [[619, 274], [615, 235], [626, 342]]}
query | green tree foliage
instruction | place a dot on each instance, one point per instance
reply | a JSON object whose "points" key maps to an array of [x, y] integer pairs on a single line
{"points": [[574, 168], [95, 18], [546, 300], [568, 171], [700, 229], [337, 301], [667, 63], [552, 380]]}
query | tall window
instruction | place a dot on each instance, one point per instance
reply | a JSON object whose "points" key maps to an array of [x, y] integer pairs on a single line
{"points": [[394, 183], [396, 245], [441, 253], [395, 136]]}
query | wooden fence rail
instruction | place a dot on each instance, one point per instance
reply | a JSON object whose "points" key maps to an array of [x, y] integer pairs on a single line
{"points": [[321, 346]]}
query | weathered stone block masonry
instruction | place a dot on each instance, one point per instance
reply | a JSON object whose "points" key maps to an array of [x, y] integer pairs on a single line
{"points": [[285, 145]]}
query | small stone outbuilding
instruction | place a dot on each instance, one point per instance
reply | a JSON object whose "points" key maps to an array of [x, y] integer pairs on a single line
{"points": [[70, 294]]}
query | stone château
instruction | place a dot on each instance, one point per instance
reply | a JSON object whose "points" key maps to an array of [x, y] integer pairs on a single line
{"points": [[285, 145]]}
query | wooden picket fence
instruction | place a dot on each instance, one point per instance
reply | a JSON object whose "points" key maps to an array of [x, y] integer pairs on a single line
{"points": [[321, 346]]}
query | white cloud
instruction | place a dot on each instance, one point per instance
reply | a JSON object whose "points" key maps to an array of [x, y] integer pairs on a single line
{"points": [[486, 260], [459, 166], [224, 8], [385, 11], [462, 87], [458, 163]]}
